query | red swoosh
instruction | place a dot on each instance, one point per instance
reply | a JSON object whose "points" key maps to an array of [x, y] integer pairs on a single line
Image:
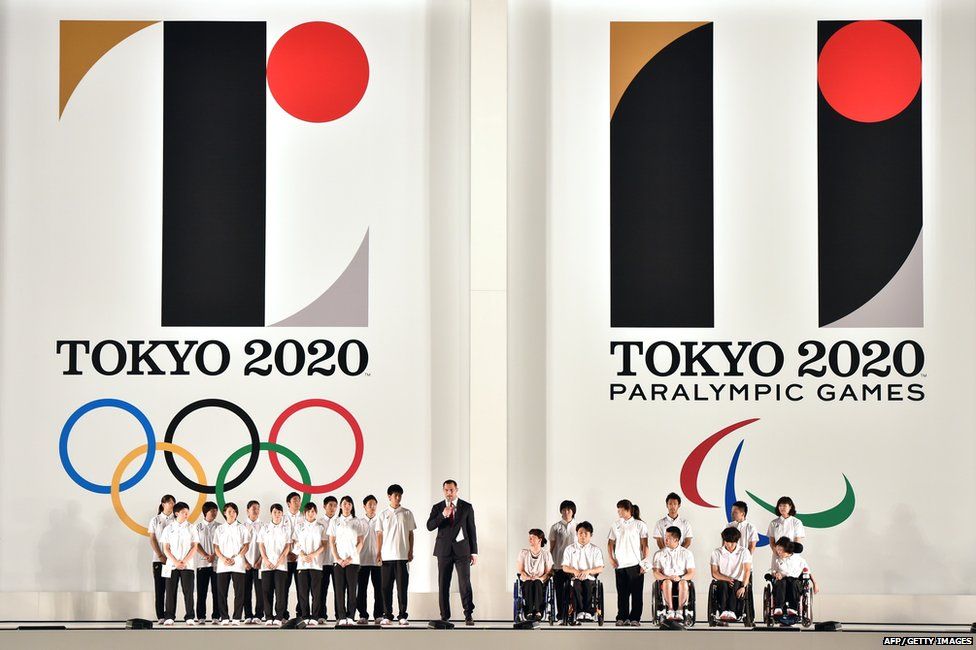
{"points": [[692, 465]]}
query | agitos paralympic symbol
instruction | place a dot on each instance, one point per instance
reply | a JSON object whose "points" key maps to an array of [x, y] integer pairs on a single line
{"points": [[252, 450], [689, 485]]}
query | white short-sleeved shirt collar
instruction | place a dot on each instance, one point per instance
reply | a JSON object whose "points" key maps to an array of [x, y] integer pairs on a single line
{"points": [[673, 561], [396, 525], [308, 538], [747, 531], [791, 565], [789, 527], [562, 534], [731, 563], [627, 535], [346, 531], [231, 538], [582, 557], [275, 537], [665, 522]]}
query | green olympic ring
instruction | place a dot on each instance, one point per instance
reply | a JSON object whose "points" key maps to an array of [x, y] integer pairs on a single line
{"points": [[265, 446]]}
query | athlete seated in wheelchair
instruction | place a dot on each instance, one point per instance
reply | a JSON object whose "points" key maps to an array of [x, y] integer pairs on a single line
{"points": [[534, 592], [583, 561], [730, 594], [788, 596], [674, 592]]}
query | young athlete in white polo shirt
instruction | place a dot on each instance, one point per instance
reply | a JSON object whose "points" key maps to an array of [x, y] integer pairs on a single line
{"points": [[582, 562], [731, 565], [293, 516], [674, 566], [330, 505], [673, 502], [787, 568], [157, 526], [252, 565], [179, 544], [369, 566], [786, 525], [308, 543], [346, 536], [627, 547], [274, 544], [205, 563], [749, 536], [394, 541], [230, 545], [562, 535]]}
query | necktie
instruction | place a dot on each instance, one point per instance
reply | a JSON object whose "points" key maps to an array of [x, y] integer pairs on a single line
{"points": [[451, 518]]}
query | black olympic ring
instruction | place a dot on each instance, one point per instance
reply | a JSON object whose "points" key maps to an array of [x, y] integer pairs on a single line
{"points": [[252, 460]]}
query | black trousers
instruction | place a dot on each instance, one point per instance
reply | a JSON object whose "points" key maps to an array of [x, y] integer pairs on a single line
{"points": [[252, 586], [445, 573], [367, 575], [395, 571], [292, 570], [223, 588], [346, 581], [206, 580], [583, 596], [725, 598], [309, 582], [323, 612], [560, 582], [786, 592], [159, 587], [630, 594], [184, 578], [274, 589], [534, 593]]}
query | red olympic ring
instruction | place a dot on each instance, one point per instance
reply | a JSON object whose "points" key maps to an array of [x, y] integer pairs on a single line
{"points": [[357, 433]]}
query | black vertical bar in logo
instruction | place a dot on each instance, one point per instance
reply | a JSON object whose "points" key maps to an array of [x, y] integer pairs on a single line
{"points": [[213, 173], [661, 196]]}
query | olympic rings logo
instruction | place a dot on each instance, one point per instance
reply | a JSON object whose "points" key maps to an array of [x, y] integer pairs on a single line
{"points": [[169, 448]]}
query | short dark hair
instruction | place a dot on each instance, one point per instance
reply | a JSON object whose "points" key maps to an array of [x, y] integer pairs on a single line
{"points": [[537, 532], [292, 495], [568, 504], [277, 506], [310, 506], [180, 505], [626, 505], [673, 531], [449, 481], [788, 501], [329, 499], [731, 534], [250, 503], [741, 505], [230, 505], [673, 495], [368, 498], [585, 525], [394, 489], [208, 506]]}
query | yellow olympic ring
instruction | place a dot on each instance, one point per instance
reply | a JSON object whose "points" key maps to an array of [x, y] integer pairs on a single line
{"points": [[131, 456]]}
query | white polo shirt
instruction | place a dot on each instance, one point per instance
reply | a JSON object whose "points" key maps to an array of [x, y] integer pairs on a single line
{"points": [[367, 556], [790, 527], [308, 538], [396, 526], [731, 564], [293, 519], [275, 537], [673, 561], [327, 559], [562, 535], [181, 538], [627, 534], [205, 534], [157, 526], [346, 531], [747, 531], [582, 557], [791, 566], [253, 554], [535, 566], [666, 522], [231, 538]]}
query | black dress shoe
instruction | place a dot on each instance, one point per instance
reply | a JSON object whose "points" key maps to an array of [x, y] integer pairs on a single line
{"points": [[469, 621]]}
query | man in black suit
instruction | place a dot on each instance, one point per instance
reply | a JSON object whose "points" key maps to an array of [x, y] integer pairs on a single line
{"points": [[456, 547]]}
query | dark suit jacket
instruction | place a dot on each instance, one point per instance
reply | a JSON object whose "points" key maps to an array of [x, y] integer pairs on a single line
{"points": [[445, 546]]}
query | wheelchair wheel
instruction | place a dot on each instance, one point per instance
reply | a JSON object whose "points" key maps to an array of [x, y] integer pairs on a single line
{"points": [[806, 607], [768, 606], [749, 609], [712, 588], [517, 602], [551, 602], [691, 610], [655, 602], [599, 603]]}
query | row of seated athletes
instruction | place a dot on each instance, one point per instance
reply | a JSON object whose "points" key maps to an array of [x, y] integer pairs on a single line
{"points": [[575, 562], [262, 560]]}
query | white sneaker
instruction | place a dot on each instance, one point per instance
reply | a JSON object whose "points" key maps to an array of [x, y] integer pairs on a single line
{"points": [[276, 622], [160, 621], [168, 622], [778, 611], [670, 615], [191, 621], [269, 622], [385, 622], [404, 622], [235, 622], [791, 612], [378, 620], [312, 621]]}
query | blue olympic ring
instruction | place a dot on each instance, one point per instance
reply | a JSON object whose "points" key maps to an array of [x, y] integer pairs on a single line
{"points": [[91, 406]]}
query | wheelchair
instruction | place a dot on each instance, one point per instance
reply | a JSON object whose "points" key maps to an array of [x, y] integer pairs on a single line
{"points": [[596, 603], [519, 614], [745, 613], [660, 611], [804, 608]]}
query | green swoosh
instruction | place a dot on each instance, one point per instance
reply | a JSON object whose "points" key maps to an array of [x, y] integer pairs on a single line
{"points": [[825, 519]]}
